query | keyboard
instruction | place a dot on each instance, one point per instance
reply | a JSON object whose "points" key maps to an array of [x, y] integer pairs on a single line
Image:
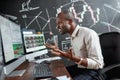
{"points": [[42, 70], [41, 57], [47, 59]]}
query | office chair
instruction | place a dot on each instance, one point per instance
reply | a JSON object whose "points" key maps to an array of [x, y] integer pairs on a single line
{"points": [[110, 45]]}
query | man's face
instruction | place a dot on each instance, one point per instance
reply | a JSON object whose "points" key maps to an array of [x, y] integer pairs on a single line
{"points": [[63, 25]]}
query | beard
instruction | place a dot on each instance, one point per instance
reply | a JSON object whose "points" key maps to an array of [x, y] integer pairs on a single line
{"points": [[62, 31]]}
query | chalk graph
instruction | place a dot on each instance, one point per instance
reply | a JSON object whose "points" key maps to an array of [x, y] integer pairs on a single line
{"points": [[26, 7], [109, 22], [80, 15], [86, 13], [72, 7]]}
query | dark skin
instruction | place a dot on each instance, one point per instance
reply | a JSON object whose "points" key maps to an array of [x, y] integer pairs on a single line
{"points": [[65, 26]]}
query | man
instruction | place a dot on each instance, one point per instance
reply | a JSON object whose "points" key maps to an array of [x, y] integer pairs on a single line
{"points": [[86, 50]]}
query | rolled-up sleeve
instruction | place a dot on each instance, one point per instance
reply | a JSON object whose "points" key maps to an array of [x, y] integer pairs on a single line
{"points": [[92, 64], [86, 44], [95, 58]]}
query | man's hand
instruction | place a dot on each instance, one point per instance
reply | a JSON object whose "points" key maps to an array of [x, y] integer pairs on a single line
{"points": [[55, 50], [51, 46]]}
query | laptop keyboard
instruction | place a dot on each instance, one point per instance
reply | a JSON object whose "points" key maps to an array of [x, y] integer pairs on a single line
{"points": [[42, 70]]}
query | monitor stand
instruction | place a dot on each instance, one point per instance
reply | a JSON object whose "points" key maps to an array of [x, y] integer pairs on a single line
{"points": [[16, 73], [2, 75]]}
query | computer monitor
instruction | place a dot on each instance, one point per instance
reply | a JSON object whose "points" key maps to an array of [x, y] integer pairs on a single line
{"points": [[12, 45], [66, 45], [34, 45], [2, 76], [1, 57], [34, 42]]}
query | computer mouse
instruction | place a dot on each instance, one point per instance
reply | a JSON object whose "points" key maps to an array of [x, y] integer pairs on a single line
{"points": [[54, 78]]}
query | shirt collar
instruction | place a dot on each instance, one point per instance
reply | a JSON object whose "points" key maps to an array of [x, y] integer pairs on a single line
{"points": [[75, 31]]}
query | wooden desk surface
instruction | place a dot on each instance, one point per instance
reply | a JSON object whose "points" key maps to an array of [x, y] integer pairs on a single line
{"points": [[57, 67]]}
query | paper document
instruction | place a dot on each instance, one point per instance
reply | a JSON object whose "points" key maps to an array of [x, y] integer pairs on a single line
{"points": [[63, 78], [59, 78]]}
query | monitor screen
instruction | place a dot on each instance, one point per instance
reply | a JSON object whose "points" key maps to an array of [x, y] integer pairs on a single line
{"points": [[34, 42], [17, 41], [12, 41], [12, 44]]}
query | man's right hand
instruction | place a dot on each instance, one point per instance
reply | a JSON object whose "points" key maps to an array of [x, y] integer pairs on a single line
{"points": [[55, 50], [51, 46]]}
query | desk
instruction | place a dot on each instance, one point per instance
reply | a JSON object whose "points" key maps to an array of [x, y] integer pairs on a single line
{"points": [[57, 68]]}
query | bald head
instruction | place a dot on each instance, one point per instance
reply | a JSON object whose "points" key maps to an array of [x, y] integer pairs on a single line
{"points": [[65, 22], [66, 15]]}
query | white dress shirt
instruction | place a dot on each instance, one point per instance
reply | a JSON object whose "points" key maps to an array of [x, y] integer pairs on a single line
{"points": [[85, 44]]}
